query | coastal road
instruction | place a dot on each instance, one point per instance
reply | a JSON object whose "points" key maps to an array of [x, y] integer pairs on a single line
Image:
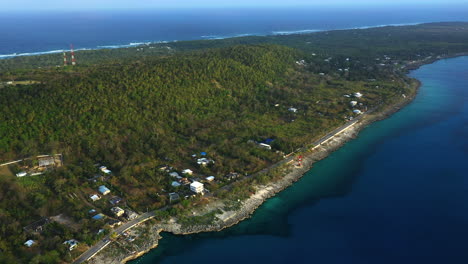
{"points": [[290, 157], [92, 251]]}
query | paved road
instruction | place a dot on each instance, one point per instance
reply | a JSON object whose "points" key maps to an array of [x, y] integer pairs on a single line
{"points": [[91, 252]]}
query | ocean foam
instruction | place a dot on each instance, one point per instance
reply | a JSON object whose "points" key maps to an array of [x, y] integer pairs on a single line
{"points": [[136, 44]]}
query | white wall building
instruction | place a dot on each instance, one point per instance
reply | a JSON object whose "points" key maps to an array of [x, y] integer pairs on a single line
{"points": [[196, 187]]}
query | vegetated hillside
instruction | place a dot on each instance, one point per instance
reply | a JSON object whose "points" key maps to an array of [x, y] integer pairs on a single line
{"points": [[166, 108], [135, 116]]}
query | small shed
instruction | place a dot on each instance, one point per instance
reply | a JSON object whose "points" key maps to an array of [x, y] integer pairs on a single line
{"points": [[117, 211], [98, 216], [105, 170], [21, 174], [29, 243], [174, 197], [72, 243]]}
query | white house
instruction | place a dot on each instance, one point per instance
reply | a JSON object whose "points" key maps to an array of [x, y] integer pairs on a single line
{"points": [[292, 109], [210, 178], [357, 95], [29, 243], [104, 190], [105, 170], [357, 112], [94, 197], [187, 171], [72, 243], [265, 146], [196, 187], [353, 103], [21, 174]]}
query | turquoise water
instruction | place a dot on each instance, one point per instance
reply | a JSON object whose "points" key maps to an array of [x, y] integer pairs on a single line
{"points": [[396, 194]]}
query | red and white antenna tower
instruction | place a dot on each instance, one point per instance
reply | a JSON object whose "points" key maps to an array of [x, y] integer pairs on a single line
{"points": [[65, 59], [73, 60]]}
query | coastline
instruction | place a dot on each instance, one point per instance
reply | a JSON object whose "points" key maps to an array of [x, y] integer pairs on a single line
{"points": [[138, 44], [262, 192]]}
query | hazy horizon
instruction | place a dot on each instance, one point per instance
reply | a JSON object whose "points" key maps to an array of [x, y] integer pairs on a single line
{"points": [[89, 5]]}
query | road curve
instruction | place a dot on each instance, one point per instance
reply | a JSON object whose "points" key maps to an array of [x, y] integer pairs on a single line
{"points": [[92, 251]]}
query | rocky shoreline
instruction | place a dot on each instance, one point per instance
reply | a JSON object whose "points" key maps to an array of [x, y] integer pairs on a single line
{"points": [[263, 192]]}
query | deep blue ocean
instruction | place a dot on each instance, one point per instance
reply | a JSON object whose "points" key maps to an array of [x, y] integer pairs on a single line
{"points": [[396, 194], [26, 33]]}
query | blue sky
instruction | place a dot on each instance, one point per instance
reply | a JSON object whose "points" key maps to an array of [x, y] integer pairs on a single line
{"points": [[155, 4]]}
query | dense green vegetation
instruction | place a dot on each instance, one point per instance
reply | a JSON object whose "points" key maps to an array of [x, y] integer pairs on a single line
{"points": [[176, 99]]}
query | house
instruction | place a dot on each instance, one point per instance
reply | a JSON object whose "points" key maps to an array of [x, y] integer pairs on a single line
{"points": [[196, 187], [92, 211], [353, 103], [21, 174], [46, 161], [292, 109], [29, 243], [357, 112], [115, 200], [104, 190], [357, 95], [98, 217], [163, 167], [174, 174], [232, 176], [117, 211], [130, 215], [94, 197], [175, 184], [105, 170], [210, 178], [204, 161], [72, 243], [113, 223], [174, 197], [265, 146], [187, 171]]}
